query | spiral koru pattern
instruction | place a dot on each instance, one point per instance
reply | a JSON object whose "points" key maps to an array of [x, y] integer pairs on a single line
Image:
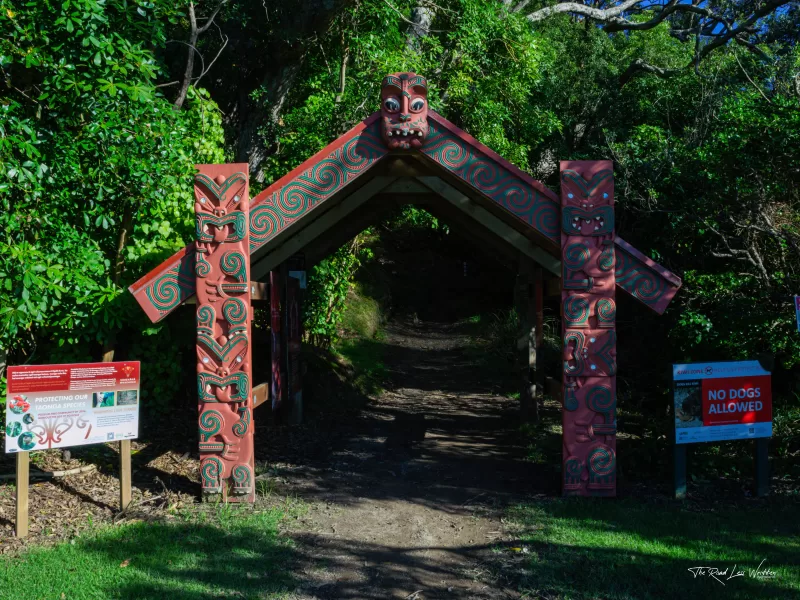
{"points": [[206, 315], [210, 472], [169, 290], [576, 311], [242, 478], [241, 426], [492, 179], [235, 311], [638, 280], [546, 217], [602, 461], [265, 222], [576, 255], [600, 399], [202, 267], [233, 264], [210, 424], [606, 311], [606, 260], [315, 185]]}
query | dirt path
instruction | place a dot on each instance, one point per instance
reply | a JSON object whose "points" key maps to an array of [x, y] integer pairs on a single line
{"points": [[410, 506]]}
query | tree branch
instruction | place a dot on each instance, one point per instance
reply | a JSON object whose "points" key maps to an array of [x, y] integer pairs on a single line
{"points": [[194, 34], [714, 28]]}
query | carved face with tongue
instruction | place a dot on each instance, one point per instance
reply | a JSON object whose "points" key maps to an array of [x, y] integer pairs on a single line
{"points": [[404, 111]]}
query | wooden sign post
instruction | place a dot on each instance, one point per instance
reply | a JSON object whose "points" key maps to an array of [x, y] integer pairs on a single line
{"points": [[124, 474], [23, 463]]}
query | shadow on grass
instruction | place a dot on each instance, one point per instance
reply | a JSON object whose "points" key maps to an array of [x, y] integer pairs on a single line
{"points": [[626, 549], [234, 553]]}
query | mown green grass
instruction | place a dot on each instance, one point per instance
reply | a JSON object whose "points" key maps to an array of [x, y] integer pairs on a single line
{"points": [[226, 553], [635, 550]]}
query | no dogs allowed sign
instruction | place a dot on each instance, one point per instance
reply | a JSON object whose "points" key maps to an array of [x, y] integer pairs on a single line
{"points": [[721, 401]]}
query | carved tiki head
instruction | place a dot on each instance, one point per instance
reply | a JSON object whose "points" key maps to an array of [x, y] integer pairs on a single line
{"points": [[404, 110]]}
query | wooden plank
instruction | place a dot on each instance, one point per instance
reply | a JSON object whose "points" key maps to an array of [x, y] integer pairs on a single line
{"points": [[465, 227], [23, 470], [679, 470], [494, 224], [124, 474], [319, 226], [260, 394], [374, 212]]}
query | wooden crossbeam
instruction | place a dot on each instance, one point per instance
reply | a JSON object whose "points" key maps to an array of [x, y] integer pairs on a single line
{"points": [[492, 223], [319, 226]]}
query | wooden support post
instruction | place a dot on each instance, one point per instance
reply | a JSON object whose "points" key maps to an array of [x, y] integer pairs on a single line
{"points": [[538, 303], [294, 382], [761, 456], [224, 333], [275, 335], [125, 490], [124, 474], [23, 464], [286, 399], [679, 470], [588, 311], [522, 308]]}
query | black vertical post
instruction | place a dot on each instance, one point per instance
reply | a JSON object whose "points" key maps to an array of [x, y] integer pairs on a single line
{"points": [[286, 399], [679, 473], [761, 456]]}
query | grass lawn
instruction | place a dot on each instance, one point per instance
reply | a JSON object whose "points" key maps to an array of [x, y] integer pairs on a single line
{"points": [[219, 554], [631, 549]]}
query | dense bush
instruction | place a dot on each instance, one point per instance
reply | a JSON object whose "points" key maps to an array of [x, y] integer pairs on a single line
{"points": [[96, 153]]}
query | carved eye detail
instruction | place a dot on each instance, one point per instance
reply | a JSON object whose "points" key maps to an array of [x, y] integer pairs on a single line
{"points": [[391, 104], [418, 104]]}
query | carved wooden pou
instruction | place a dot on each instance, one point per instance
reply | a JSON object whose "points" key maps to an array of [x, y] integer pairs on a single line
{"points": [[224, 373], [588, 319]]}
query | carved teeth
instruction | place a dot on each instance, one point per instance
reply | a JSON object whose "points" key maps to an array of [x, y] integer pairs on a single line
{"points": [[390, 134], [596, 227], [597, 218]]}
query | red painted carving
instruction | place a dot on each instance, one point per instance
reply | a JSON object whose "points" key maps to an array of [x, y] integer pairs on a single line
{"points": [[404, 111], [224, 374], [352, 155], [589, 318]]}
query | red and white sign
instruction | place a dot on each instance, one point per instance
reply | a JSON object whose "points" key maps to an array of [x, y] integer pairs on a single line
{"points": [[722, 401], [57, 406]]}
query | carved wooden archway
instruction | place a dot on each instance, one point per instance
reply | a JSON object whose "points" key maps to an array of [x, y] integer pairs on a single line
{"points": [[577, 228]]}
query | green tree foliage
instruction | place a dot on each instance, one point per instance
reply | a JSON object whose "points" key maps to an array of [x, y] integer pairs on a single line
{"points": [[96, 172], [96, 164]]}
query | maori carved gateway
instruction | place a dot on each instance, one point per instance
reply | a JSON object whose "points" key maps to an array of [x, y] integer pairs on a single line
{"points": [[222, 270], [578, 227], [588, 322]]}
